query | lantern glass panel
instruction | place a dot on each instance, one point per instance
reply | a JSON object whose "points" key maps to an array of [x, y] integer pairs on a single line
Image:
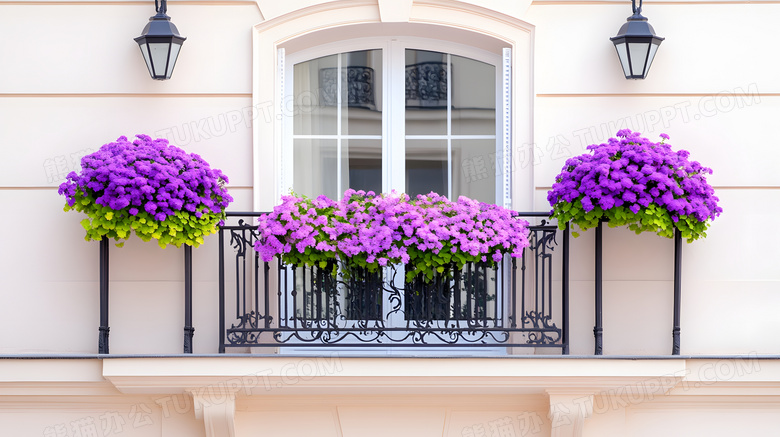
{"points": [[174, 55], [653, 48], [638, 53], [623, 55], [145, 52], [159, 57]]}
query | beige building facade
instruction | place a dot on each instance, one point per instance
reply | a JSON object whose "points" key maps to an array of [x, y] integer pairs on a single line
{"points": [[530, 84]]}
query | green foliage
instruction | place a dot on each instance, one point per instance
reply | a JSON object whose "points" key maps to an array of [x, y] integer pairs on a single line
{"points": [[430, 264], [178, 229], [653, 218]]}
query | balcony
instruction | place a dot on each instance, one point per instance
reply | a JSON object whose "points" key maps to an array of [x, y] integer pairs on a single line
{"points": [[523, 303], [519, 307]]}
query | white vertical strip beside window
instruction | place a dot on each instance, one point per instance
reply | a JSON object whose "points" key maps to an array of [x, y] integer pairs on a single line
{"points": [[279, 125], [339, 190], [449, 126], [507, 125]]}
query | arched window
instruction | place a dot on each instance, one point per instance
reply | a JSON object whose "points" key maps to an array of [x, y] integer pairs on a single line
{"points": [[412, 115]]}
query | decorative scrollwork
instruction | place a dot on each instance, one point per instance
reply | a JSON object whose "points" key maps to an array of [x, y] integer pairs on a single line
{"points": [[243, 239], [547, 241], [354, 307], [543, 329]]}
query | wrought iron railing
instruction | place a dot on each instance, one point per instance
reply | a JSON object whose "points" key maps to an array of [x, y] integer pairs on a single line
{"points": [[523, 302]]}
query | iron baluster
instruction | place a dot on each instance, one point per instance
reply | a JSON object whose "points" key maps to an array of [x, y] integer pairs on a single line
{"points": [[103, 329], [598, 330], [531, 238], [188, 329], [221, 303], [513, 309], [677, 290], [565, 292]]}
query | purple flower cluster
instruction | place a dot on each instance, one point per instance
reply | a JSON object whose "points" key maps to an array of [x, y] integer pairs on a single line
{"points": [[390, 229], [634, 173], [148, 175]]}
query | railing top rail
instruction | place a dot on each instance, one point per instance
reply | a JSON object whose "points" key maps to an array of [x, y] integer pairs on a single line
{"points": [[257, 214], [244, 213], [534, 214]]}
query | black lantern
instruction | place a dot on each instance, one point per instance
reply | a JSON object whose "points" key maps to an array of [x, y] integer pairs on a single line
{"points": [[636, 44], [160, 43]]}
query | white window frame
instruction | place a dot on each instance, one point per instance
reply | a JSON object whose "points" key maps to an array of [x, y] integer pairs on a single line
{"points": [[394, 136], [393, 107]]}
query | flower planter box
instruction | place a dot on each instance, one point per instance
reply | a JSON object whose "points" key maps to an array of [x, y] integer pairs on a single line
{"points": [[646, 186], [154, 190]]}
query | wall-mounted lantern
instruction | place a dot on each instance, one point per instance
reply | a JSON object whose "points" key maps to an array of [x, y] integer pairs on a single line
{"points": [[636, 44], [160, 43]]}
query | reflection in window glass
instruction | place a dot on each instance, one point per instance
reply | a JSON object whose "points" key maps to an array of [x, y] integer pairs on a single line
{"points": [[362, 165], [426, 167], [361, 93], [316, 163], [474, 169], [316, 85], [426, 92], [450, 124], [314, 103], [473, 97]]}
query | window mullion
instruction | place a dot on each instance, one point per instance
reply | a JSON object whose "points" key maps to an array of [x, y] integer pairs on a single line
{"points": [[396, 121]]}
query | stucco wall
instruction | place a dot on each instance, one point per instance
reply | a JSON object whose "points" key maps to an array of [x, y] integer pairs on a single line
{"points": [[71, 79]]}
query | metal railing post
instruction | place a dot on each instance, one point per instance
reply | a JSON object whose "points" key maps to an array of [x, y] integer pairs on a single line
{"points": [[221, 297], [598, 329], [103, 329], [188, 329], [565, 292], [677, 291]]}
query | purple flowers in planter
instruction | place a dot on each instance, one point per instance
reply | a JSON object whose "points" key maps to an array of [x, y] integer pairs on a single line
{"points": [[368, 230], [158, 190], [634, 181]]}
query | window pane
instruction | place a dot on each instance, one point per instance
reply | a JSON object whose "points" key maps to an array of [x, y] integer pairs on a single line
{"points": [[361, 92], [316, 168], [426, 167], [473, 97], [426, 92], [362, 165], [474, 169], [314, 97]]}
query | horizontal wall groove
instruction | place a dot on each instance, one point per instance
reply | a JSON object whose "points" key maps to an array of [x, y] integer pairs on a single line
{"points": [[668, 2], [714, 94], [719, 187], [125, 95], [46, 188], [126, 3]]}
